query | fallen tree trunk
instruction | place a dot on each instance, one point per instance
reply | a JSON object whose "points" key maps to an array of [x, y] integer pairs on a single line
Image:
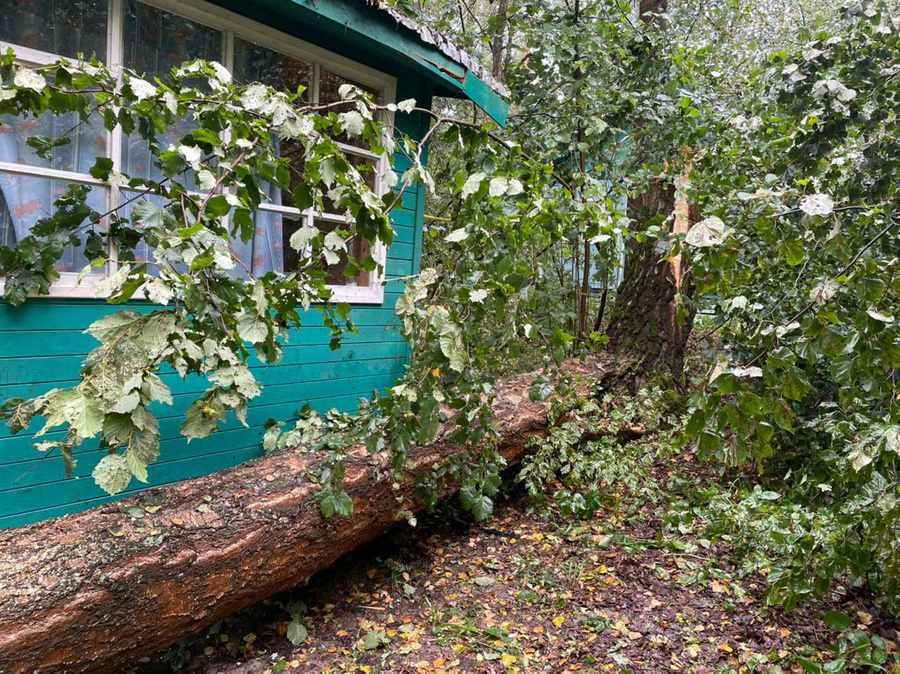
{"points": [[98, 590]]}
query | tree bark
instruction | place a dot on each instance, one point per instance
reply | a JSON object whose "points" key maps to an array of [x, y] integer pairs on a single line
{"points": [[648, 329], [645, 334], [500, 40], [98, 590]]}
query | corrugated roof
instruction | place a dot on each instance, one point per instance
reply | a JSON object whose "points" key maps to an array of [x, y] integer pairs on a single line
{"points": [[446, 46]]}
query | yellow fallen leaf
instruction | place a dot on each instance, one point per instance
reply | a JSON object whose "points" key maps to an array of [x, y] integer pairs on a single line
{"points": [[508, 659], [717, 587], [371, 573], [559, 620], [725, 647]]}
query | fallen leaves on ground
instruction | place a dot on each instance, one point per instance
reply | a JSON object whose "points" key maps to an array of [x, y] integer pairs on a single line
{"points": [[525, 592]]}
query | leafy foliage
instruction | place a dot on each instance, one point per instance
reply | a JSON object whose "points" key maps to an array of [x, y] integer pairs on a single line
{"points": [[805, 385], [213, 315]]}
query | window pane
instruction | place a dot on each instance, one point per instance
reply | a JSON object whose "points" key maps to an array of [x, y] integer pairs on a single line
{"points": [[155, 42], [87, 140], [25, 200], [329, 92], [367, 171], [291, 257], [253, 63], [358, 248], [330, 84], [266, 250], [64, 27]]}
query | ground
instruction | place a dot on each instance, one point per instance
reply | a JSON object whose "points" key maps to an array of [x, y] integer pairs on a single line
{"points": [[527, 591]]}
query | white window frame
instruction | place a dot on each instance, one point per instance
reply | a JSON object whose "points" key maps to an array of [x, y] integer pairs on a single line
{"points": [[231, 25]]}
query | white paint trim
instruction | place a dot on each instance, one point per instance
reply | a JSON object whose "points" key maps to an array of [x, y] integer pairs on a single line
{"points": [[50, 174], [30, 56], [68, 287]]}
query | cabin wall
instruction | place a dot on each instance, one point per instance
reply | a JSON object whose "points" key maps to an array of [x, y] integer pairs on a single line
{"points": [[42, 345]]}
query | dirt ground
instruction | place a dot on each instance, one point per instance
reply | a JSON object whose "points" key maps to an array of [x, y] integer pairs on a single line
{"points": [[528, 591]]}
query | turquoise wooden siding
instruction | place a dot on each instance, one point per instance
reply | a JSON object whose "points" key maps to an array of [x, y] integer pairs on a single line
{"points": [[42, 345]]}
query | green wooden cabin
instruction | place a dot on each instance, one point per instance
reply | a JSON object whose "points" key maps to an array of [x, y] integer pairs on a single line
{"points": [[318, 43]]}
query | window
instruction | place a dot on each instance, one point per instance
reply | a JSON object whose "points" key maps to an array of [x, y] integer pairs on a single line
{"points": [[151, 38]]}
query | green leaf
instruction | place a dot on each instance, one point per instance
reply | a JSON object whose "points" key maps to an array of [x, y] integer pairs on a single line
{"points": [[838, 621], [252, 328], [301, 239], [112, 473], [452, 346], [706, 233], [101, 169], [150, 215], [373, 640], [297, 632], [343, 504], [793, 251], [303, 197], [201, 420]]}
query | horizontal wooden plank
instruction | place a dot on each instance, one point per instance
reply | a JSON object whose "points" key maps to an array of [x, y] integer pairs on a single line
{"points": [[309, 391], [73, 490], [63, 368], [36, 468], [32, 343], [272, 375], [283, 389]]}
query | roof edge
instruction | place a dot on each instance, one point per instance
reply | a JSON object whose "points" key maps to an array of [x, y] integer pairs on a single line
{"points": [[446, 46]]}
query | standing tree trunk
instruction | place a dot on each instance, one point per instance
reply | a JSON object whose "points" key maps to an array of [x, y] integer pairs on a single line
{"points": [[648, 326], [500, 40], [646, 334]]}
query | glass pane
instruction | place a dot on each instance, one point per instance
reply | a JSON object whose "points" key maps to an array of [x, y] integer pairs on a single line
{"points": [[358, 248], [64, 27], [142, 252], [155, 42], [329, 86], [25, 200], [291, 257], [367, 171], [264, 252], [87, 140], [253, 63]]}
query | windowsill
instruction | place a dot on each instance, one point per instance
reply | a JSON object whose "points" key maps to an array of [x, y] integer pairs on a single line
{"points": [[65, 289]]}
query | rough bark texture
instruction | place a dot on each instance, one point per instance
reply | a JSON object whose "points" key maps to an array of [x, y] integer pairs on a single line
{"points": [[98, 590], [644, 332]]}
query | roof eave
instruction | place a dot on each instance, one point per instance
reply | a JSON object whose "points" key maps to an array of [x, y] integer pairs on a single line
{"points": [[454, 71]]}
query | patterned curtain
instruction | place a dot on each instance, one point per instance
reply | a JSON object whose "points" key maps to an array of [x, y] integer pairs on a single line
{"points": [[66, 27], [154, 42]]}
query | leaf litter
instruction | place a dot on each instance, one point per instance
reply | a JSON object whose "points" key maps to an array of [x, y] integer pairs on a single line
{"points": [[528, 591]]}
